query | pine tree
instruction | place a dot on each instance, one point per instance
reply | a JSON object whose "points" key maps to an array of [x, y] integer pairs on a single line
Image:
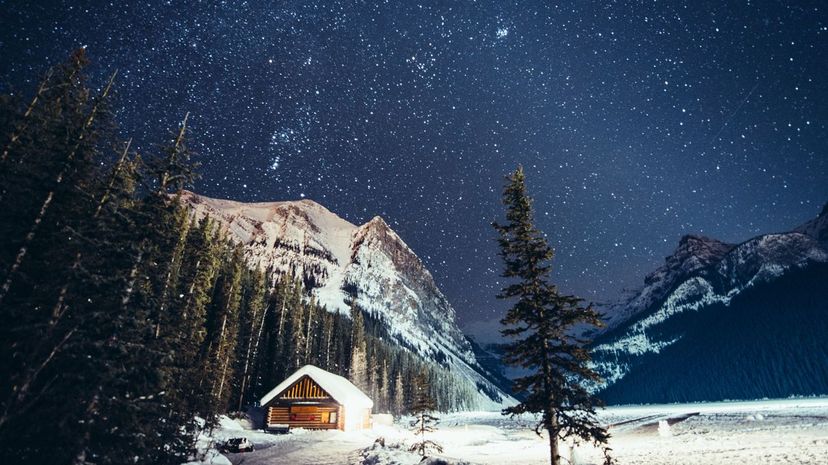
{"points": [[328, 328], [297, 313], [399, 395], [538, 324], [422, 406], [50, 184], [251, 324], [71, 157], [228, 303], [358, 373], [163, 227]]}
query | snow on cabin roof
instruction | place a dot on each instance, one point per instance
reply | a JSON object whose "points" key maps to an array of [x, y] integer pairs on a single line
{"points": [[342, 390]]}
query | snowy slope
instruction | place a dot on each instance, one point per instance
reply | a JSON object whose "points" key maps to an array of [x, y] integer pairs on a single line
{"points": [[664, 318], [340, 262]]}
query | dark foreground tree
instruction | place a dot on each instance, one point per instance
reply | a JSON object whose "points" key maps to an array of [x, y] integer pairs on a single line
{"points": [[539, 325], [422, 407]]}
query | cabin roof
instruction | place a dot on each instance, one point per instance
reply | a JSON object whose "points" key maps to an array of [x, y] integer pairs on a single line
{"points": [[342, 390]]}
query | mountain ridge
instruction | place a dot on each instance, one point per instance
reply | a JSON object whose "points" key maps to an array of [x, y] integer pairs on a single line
{"points": [[702, 276], [341, 263]]}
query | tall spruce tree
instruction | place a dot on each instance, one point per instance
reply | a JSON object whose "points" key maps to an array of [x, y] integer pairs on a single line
{"points": [[539, 324], [422, 407], [164, 227], [50, 184], [251, 322], [358, 372], [398, 405]]}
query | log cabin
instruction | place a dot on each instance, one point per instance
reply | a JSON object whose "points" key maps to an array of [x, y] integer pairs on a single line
{"points": [[316, 399]]}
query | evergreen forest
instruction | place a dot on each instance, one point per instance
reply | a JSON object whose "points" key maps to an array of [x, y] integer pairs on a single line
{"points": [[129, 325]]}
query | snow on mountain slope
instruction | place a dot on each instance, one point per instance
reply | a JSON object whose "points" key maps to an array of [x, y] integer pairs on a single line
{"points": [[340, 262], [692, 254], [701, 274], [302, 238]]}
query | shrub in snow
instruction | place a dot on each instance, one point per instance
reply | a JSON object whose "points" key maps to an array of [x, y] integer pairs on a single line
{"points": [[380, 454], [439, 461]]}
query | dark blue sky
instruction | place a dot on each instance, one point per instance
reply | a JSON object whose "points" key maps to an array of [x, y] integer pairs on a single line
{"points": [[637, 122]]}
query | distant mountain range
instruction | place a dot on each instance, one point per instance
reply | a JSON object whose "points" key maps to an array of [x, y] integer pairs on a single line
{"points": [[723, 321], [369, 265]]}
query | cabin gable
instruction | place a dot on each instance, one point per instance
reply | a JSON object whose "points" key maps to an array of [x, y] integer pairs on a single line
{"points": [[305, 388]]}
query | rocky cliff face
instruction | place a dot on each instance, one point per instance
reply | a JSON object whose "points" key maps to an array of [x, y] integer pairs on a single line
{"points": [[340, 262], [683, 306]]}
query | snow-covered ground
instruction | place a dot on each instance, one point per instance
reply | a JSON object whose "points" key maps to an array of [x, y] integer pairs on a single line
{"points": [[738, 433]]}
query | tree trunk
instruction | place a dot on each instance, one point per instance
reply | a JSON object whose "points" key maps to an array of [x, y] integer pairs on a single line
{"points": [[18, 130], [172, 272], [222, 351], [115, 172], [133, 276], [165, 177], [308, 334], [188, 307], [281, 320], [554, 452], [328, 337], [182, 238], [223, 377], [247, 355], [16, 406]]}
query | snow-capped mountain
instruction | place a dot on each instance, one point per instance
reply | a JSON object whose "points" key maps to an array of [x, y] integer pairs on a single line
{"points": [[721, 320], [693, 253], [370, 264]]}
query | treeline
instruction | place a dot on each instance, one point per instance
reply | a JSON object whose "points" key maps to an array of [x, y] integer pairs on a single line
{"points": [[128, 325]]}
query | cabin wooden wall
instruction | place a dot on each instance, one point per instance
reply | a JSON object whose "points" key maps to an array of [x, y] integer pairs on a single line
{"points": [[278, 415], [305, 416]]}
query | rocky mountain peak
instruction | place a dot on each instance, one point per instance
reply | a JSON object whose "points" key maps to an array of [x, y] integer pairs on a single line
{"points": [[817, 228], [341, 263], [378, 222], [695, 252], [376, 227]]}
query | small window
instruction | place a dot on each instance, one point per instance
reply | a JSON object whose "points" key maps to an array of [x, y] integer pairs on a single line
{"points": [[332, 418]]}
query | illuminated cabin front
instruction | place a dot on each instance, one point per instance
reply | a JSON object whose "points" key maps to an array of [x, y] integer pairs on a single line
{"points": [[316, 399]]}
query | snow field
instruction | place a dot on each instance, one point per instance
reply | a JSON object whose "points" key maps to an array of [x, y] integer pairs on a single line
{"points": [[791, 431]]}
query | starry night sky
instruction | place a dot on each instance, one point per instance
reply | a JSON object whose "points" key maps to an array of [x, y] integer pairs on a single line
{"points": [[637, 122]]}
